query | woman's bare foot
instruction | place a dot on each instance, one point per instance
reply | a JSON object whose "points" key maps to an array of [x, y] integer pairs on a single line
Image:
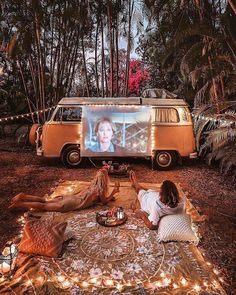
{"points": [[133, 179], [17, 197]]}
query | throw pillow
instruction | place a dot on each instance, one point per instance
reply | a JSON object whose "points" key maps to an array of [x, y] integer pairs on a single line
{"points": [[43, 237], [176, 227]]}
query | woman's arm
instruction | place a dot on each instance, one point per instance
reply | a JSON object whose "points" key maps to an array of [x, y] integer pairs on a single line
{"points": [[144, 216]]}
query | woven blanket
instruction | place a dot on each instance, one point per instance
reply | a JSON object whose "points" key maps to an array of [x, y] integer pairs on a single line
{"points": [[122, 260]]}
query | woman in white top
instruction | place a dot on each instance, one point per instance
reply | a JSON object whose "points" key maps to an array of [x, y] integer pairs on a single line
{"points": [[155, 204]]}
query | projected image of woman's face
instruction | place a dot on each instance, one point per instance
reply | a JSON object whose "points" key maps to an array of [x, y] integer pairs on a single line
{"points": [[105, 132], [116, 131]]}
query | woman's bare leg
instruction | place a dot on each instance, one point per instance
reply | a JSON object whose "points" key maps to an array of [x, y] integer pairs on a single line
{"points": [[24, 197], [137, 187], [48, 206]]}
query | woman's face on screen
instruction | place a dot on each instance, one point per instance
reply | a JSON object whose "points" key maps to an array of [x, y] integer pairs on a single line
{"points": [[105, 132]]}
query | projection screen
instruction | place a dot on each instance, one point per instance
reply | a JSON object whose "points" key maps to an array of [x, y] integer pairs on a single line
{"points": [[116, 131]]}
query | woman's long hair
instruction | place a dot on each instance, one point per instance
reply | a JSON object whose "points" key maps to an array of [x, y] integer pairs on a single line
{"points": [[169, 194]]}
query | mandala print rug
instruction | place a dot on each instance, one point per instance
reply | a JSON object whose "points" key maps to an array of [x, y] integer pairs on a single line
{"points": [[113, 260]]}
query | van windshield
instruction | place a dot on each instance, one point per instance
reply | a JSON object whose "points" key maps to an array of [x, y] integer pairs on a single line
{"points": [[69, 114]]}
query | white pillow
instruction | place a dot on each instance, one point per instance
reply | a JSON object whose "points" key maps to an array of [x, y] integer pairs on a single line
{"points": [[176, 227]]}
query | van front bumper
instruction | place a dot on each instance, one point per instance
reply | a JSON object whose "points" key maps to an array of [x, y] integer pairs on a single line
{"points": [[39, 151], [193, 155]]}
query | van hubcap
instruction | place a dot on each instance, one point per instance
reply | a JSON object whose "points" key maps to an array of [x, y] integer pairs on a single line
{"points": [[164, 159], [74, 157]]}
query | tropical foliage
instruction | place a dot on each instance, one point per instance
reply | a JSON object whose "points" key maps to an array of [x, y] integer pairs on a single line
{"points": [[50, 49], [190, 48]]}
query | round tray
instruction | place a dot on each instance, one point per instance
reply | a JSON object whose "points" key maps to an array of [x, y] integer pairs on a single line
{"points": [[102, 221]]}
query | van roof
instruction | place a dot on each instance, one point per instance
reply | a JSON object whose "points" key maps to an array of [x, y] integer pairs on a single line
{"points": [[121, 101]]}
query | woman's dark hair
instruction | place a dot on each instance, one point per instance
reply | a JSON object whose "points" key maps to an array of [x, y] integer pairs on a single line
{"points": [[169, 194]]}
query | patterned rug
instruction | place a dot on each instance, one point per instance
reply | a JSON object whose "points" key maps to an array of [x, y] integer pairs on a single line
{"points": [[120, 260]]}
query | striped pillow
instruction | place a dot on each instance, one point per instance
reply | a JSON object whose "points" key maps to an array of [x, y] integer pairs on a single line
{"points": [[176, 227]]}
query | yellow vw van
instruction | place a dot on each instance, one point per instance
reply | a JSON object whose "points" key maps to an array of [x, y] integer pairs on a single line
{"points": [[157, 129]]}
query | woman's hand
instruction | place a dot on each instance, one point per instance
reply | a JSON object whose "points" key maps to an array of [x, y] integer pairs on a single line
{"points": [[139, 214], [133, 205]]}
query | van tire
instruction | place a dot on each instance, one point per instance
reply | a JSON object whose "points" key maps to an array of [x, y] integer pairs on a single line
{"points": [[164, 160], [32, 134], [71, 157]]}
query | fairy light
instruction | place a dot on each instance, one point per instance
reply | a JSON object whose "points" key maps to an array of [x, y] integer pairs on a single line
{"points": [[184, 282], [61, 278], [216, 271], [109, 282], [175, 286], [196, 287], [158, 284], [208, 263], [93, 280], [29, 282], [162, 274], [215, 283], [66, 284], [221, 280], [25, 115], [167, 281], [85, 284], [119, 286], [223, 122], [205, 284]]}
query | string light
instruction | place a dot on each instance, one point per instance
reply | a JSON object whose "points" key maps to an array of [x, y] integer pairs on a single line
{"points": [[162, 275], [184, 282], [109, 282], [119, 286], [223, 122], [197, 287], [85, 284], [216, 271], [175, 286], [25, 115]]}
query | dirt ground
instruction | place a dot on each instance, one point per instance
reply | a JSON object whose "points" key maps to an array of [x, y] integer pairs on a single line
{"points": [[212, 193]]}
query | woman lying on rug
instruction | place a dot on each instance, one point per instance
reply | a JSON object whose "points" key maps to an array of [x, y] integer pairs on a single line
{"points": [[96, 192], [155, 204]]}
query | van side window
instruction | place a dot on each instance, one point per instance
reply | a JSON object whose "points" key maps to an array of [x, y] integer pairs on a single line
{"points": [[166, 115], [183, 113], [70, 114]]}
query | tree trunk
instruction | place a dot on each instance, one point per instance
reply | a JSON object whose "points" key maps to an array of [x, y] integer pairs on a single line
{"points": [[40, 61], [85, 67], [117, 55], [102, 65], [109, 13], [26, 90], [232, 5], [96, 59], [131, 7]]}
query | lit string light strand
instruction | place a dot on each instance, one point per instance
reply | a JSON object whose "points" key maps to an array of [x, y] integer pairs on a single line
{"points": [[225, 122], [11, 118]]}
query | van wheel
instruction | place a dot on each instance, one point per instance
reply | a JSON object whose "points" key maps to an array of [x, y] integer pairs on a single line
{"points": [[71, 156], [164, 160]]}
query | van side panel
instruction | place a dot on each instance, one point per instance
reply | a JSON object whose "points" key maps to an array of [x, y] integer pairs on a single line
{"points": [[177, 138], [56, 135]]}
